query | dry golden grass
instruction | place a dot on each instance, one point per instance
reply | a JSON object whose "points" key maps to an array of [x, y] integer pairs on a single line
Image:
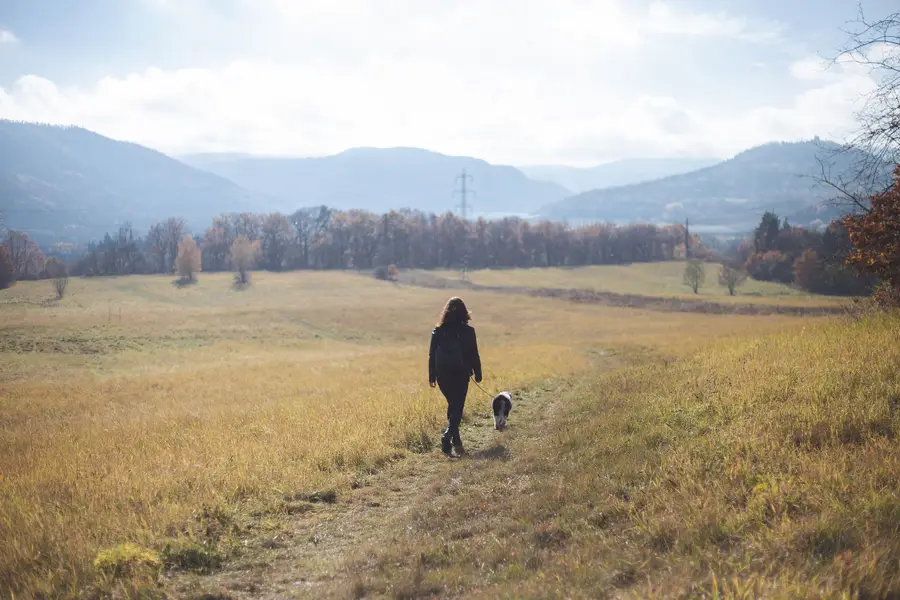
{"points": [[648, 279], [765, 468], [135, 411]]}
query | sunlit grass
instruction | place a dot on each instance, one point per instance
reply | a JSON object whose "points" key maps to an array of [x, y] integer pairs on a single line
{"points": [[762, 468], [649, 279], [134, 411]]}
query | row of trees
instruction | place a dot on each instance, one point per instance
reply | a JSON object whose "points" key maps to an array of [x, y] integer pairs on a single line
{"points": [[321, 238], [811, 260], [21, 258]]}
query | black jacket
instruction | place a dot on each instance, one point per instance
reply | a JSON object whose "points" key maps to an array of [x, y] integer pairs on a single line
{"points": [[470, 350]]}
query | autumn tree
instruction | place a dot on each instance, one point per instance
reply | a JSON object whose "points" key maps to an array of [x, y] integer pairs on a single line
{"points": [[809, 272], [188, 261], [875, 236], [243, 258], [770, 266], [7, 269], [694, 275], [27, 258], [731, 277]]}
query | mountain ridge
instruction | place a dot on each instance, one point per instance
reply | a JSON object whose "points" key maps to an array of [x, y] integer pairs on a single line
{"points": [[66, 183], [615, 173], [778, 176], [389, 178]]}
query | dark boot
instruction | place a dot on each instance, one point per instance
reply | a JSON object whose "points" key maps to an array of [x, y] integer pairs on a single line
{"points": [[458, 446], [445, 443]]}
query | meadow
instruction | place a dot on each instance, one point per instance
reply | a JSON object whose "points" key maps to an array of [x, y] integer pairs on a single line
{"points": [[657, 279], [764, 467], [136, 411]]}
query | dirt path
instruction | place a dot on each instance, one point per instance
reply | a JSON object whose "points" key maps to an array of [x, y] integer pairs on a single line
{"points": [[310, 556]]}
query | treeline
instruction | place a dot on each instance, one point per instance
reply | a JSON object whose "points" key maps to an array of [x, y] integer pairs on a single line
{"points": [[816, 261], [322, 238]]}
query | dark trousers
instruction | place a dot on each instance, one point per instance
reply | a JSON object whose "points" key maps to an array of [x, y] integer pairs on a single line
{"points": [[454, 390]]}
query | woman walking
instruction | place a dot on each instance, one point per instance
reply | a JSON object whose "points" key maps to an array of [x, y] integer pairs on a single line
{"points": [[452, 359]]}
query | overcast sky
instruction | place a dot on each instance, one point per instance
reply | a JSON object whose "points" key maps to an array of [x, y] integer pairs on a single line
{"points": [[511, 81]]}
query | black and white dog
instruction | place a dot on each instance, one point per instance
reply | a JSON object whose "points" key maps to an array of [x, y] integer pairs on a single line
{"points": [[502, 404]]}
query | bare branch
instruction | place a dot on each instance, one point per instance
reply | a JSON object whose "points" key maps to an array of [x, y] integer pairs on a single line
{"points": [[866, 160]]}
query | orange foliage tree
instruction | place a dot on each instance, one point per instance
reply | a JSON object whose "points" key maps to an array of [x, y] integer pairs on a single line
{"points": [[875, 236]]}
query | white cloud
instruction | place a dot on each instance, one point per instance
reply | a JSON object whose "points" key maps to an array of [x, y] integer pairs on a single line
{"points": [[663, 18], [553, 81], [7, 37]]}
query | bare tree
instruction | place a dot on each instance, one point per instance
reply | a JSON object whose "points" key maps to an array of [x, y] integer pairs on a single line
{"points": [[156, 243], [275, 240], [309, 225], [862, 167], [732, 277], [27, 258], [173, 231], [694, 275], [59, 276]]}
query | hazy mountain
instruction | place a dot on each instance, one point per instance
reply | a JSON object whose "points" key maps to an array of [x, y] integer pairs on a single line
{"points": [[620, 172], [732, 194], [382, 179], [67, 183]]}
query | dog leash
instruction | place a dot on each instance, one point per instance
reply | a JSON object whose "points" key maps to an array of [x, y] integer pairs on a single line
{"points": [[486, 393]]}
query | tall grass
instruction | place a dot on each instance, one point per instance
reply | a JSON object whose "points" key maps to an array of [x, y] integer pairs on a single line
{"points": [[762, 468], [136, 412], [664, 279]]}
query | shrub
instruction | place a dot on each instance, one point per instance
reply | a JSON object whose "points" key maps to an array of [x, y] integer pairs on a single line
{"points": [[128, 561], [386, 273], [59, 274], [886, 296]]}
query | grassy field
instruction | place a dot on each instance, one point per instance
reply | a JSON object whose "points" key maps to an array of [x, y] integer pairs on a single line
{"points": [[134, 411], [763, 468], [648, 279]]}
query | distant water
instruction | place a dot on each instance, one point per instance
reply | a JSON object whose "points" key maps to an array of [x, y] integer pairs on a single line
{"points": [[501, 215]]}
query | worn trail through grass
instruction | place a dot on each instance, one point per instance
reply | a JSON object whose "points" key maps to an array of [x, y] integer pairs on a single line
{"points": [[329, 549]]}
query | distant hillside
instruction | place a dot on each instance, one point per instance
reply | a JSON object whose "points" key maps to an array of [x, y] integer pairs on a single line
{"points": [[620, 172], [731, 194], [67, 183], [382, 179]]}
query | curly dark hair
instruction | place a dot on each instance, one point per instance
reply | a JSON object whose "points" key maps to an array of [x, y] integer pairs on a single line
{"points": [[454, 312]]}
